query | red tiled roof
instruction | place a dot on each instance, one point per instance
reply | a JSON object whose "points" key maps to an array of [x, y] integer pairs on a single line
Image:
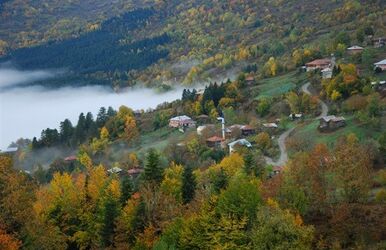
{"points": [[134, 171], [215, 139], [70, 158]]}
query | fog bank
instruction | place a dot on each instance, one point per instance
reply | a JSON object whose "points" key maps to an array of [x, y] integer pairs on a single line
{"points": [[24, 112]]}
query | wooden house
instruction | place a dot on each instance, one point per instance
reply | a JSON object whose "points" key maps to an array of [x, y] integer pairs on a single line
{"points": [[331, 122], [215, 142]]}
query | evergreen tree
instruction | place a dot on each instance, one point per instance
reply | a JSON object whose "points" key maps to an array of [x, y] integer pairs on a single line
{"points": [[66, 132], [110, 212], [102, 117], [80, 131], [153, 171], [188, 185], [126, 189], [220, 181], [249, 162], [111, 112]]}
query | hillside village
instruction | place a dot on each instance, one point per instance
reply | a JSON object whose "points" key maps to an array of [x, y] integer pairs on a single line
{"points": [[290, 153]]}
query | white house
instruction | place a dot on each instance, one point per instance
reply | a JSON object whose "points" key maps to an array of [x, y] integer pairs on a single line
{"points": [[241, 142], [181, 121], [381, 65]]}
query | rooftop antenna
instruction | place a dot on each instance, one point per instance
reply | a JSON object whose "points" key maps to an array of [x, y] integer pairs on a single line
{"points": [[222, 126]]}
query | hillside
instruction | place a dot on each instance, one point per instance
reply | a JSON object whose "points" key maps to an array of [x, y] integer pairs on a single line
{"points": [[223, 37]]}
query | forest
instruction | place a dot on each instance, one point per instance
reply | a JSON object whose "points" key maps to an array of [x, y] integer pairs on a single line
{"points": [[100, 50]]}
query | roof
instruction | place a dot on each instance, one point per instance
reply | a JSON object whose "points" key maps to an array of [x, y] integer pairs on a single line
{"points": [[243, 142], [320, 62], [181, 118], [270, 125], [250, 78], [355, 47], [114, 170], [133, 171], [247, 127], [202, 116], [215, 139], [333, 118], [70, 158], [383, 62], [277, 169]]}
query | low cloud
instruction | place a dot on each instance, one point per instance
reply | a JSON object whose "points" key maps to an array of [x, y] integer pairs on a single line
{"points": [[12, 77], [24, 112]]}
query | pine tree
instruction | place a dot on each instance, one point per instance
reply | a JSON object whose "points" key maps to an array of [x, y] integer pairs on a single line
{"points": [[249, 163], [80, 133], [153, 171], [188, 185], [126, 189], [66, 132], [110, 212]]}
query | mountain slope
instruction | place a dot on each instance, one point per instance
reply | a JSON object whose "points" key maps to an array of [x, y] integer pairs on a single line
{"points": [[209, 38]]}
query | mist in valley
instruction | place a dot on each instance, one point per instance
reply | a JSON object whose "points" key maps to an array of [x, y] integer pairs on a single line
{"points": [[26, 110]]}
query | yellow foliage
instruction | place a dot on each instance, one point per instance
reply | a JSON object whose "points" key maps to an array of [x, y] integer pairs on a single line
{"points": [[272, 203], [114, 189], [232, 164], [96, 182], [85, 160]]}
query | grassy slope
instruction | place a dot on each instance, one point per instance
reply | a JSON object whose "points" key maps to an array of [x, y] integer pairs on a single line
{"points": [[276, 86], [311, 133]]}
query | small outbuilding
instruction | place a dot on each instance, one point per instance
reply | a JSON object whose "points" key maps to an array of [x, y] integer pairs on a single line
{"points": [[270, 125]]}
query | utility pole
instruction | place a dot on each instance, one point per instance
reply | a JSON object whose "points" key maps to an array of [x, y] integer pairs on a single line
{"points": [[222, 126]]}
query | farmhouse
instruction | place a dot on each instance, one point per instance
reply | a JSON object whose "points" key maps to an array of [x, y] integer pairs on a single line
{"points": [[331, 122], [245, 130], [318, 64], [355, 50], [201, 129], [381, 65], [241, 142], [181, 121], [215, 142]]}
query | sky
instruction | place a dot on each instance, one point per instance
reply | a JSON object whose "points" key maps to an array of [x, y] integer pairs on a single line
{"points": [[26, 111]]}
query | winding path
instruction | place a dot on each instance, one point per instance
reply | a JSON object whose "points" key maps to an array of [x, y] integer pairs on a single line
{"points": [[322, 104], [283, 137]]}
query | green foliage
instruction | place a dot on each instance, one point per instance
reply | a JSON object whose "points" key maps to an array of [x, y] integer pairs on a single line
{"points": [[188, 185], [278, 229], [240, 199], [263, 106], [153, 171]]}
